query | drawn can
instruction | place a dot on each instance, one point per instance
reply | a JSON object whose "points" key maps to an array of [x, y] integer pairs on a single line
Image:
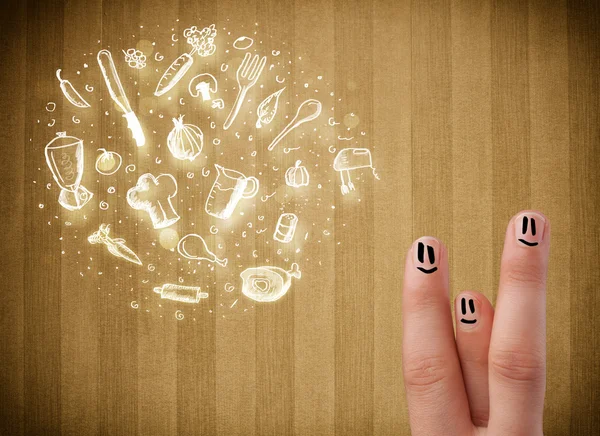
{"points": [[286, 227]]}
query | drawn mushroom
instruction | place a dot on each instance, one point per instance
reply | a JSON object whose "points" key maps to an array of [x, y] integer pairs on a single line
{"points": [[203, 84]]}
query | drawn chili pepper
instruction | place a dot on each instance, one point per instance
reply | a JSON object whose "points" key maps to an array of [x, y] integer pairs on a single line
{"points": [[71, 93]]}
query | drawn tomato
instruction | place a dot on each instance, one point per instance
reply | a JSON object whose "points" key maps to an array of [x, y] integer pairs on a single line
{"points": [[108, 162]]}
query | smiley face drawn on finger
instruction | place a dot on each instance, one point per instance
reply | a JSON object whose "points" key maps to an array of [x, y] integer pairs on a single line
{"points": [[463, 310], [426, 258], [529, 228]]}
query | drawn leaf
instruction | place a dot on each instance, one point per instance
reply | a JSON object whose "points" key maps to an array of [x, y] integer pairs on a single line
{"points": [[268, 108]]}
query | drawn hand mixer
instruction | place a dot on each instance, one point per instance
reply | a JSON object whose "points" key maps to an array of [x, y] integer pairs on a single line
{"points": [[352, 159]]}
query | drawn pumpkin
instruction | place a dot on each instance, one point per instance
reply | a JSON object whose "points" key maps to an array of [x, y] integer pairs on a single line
{"points": [[297, 176]]}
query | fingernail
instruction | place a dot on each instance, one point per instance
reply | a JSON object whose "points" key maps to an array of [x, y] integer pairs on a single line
{"points": [[529, 228], [426, 254], [468, 312]]}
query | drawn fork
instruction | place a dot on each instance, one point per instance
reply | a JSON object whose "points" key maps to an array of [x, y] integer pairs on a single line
{"points": [[247, 75]]}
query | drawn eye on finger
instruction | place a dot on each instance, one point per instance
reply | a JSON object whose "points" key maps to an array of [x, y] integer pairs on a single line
{"points": [[426, 259], [467, 310]]}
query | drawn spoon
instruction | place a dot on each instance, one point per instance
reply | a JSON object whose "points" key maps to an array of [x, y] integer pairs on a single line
{"points": [[310, 108]]}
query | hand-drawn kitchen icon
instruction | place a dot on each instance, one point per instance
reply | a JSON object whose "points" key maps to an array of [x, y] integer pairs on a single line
{"points": [[268, 108], [527, 227], [352, 159], [153, 195], [194, 247], [247, 75], [135, 58], [203, 84], [202, 42], [115, 246], [307, 111], [243, 43], [228, 189], [268, 283], [117, 93], [185, 141], [108, 162], [71, 93], [463, 309], [64, 156], [286, 227], [183, 294]]}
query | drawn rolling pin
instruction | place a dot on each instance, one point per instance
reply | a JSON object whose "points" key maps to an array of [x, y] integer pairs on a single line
{"points": [[184, 294], [113, 83]]}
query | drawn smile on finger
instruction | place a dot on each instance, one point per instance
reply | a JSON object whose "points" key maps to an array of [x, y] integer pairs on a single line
{"points": [[463, 309], [426, 261], [529, 232]]}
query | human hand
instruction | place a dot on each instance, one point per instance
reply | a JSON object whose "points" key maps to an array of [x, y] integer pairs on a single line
{"points": [[490, 380]]}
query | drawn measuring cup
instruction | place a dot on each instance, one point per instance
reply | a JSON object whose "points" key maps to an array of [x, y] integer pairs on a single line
{"points": [[229, 188], [64, 156]]}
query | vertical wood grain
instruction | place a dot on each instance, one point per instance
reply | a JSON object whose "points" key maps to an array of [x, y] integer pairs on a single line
{"points": [[471, 262], [12, 209], [510, 119], [393, 226], [79, 332], [432, 120], [314, 296], [550, 151], [354, 304], [584, 129], [42, 330]]}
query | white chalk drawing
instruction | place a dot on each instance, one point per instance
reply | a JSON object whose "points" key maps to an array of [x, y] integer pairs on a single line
{"points": [[153, 195], [185, 140], [64, 156], [308, 111], [108, 162], [288, 150], [351, 159], [51, 106], [228, 189], [218, 103], [52, 123], [75, 120], [268, 283], [115, 246], [224, 67], [203, 84], [135, 58], [297, 175], [71, 93], [286, 227], [247, 75], [202, 42], [268, 108], [117, 93], [89, 88], [183, 294], [278, 80], [199, 248], [275, 52], [243, 43], [158, 57], [103, 205], [130, 168]]}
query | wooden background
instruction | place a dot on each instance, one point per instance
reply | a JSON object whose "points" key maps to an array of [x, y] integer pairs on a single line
{"points": [[478, 109]]}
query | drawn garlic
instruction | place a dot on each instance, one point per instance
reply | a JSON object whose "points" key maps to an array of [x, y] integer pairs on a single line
{"points": [[297, 176], [185, 140], [268, 108]]}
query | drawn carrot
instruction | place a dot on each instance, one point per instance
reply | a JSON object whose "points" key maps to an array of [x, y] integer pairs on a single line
{"points": [[202, 44], [71, 93], [115, 246]]}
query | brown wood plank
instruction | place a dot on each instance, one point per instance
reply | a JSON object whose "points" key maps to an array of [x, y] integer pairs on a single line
{"points": [[393, 226], [354, 298], [583, 21], [550, 151], [42, 311], [12, 208], [510, 119], [314, 297]]}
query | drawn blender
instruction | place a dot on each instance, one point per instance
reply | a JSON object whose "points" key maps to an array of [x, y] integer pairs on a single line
{"points": [[350, 159], [247, 75]]}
